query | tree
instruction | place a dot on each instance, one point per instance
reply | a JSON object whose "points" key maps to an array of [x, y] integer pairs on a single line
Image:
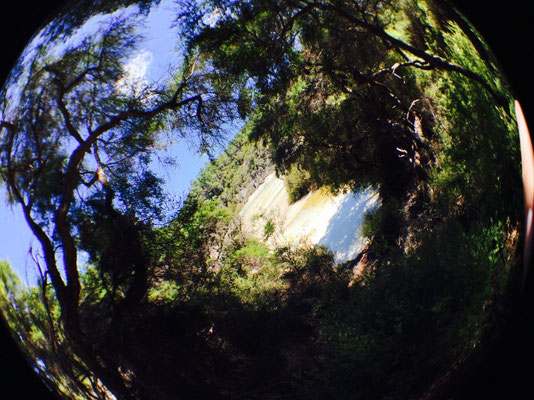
{"points": [[332, 71], [32, 316], [338, 89], [345, 90], [77, 139]]}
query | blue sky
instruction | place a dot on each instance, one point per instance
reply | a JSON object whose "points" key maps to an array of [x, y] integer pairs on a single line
{"points": [[153, 60]]}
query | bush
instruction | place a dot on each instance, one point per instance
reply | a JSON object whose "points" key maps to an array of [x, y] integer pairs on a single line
{"points": [[298, 183]]}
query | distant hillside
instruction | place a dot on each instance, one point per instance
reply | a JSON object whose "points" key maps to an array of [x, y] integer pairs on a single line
{"points": [[234, 175], [282, 210]]}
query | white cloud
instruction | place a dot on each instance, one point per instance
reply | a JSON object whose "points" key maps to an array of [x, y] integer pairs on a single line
{"points": [[134, 80], [213, 17], [137, 67]]}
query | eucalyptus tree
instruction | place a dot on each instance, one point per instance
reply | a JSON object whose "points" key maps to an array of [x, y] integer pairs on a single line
{"points": [[77, 136]]}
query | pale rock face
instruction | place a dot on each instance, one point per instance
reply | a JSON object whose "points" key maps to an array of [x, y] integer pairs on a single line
{"points": [[319, 218]]}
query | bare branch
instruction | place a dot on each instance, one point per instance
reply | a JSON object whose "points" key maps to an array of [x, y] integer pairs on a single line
{"points": [[414, 63], [7, 125], [67, 118]]}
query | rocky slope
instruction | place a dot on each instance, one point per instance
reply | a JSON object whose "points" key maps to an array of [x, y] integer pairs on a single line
{"points": [[319, 218]]}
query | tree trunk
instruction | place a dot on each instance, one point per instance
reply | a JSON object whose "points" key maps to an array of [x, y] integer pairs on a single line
{"points": [[107, 374]]}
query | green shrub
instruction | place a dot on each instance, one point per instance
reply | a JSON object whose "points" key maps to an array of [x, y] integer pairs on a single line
{"points": [[298, 183]]}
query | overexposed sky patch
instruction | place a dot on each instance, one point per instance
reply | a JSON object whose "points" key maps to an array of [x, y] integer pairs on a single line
{"points": [[93, 28], [212, 18], [138, 66], [134, 80]]}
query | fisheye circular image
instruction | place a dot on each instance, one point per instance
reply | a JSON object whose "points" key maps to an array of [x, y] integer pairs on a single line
{"points": [[261, 199]]}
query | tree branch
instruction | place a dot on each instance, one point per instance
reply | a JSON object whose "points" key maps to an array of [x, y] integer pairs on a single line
{"points": [[62, 90], [66, 116], [46, 242], [71, 178], [432, 60], [7, 125]]}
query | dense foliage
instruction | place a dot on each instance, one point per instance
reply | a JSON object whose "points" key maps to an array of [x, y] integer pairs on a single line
{"points": [[400, 96]]}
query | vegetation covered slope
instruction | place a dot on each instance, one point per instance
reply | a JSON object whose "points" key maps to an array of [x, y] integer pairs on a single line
{"points": [[234, 175], [402, 101]]}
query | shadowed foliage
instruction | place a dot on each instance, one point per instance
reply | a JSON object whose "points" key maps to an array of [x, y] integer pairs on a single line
{"points": [[139, 302]]}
